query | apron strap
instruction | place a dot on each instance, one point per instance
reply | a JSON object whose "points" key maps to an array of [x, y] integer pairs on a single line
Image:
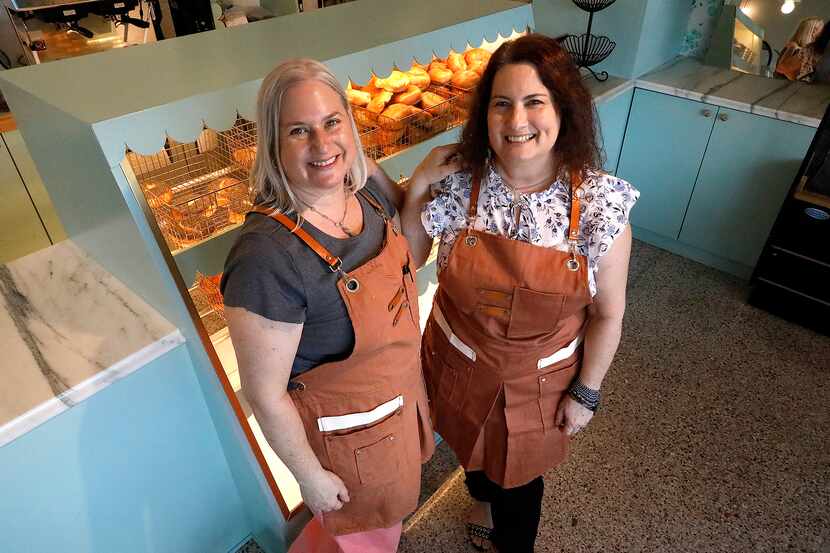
{"points": [[294, 228], [472, 211], [374, 203]]}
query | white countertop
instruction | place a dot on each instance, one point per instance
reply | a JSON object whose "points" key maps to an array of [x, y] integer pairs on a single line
{"points": [[777, 98], [68, 329]]}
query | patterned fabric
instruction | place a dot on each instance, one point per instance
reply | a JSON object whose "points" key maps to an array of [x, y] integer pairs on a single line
{"points": [[543, 216]]}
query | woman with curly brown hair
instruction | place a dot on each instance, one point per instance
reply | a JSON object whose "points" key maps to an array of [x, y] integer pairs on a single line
{"points": [[532, 270]]}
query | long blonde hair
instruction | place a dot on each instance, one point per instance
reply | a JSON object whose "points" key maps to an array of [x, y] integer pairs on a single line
{"points": [[268, 178], [807, 31]]}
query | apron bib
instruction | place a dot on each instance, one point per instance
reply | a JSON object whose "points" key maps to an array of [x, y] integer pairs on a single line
{"points": [[501, 347], [366, 416]]}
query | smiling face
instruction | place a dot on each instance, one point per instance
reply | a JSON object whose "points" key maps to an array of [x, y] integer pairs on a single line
{"points": [[317, 146], [522, 120]]}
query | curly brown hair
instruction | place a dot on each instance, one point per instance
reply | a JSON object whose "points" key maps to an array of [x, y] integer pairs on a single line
{"points": [[576, 146]]}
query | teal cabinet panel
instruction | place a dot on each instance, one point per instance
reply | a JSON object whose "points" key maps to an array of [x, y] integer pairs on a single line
{"points": [[748, 168], [661, 156], [21, 231], [613, 116]]}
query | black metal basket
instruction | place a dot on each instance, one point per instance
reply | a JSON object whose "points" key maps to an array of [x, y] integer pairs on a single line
{"points": [[593, 5], [587, 50]]}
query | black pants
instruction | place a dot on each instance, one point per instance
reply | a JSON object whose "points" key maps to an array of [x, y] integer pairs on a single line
{"points": [[516, 511]]}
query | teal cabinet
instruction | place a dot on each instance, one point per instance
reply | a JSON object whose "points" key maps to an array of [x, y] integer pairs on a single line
{"points": [[613, 117], [748, 168], [661, 156], [711, 179]]}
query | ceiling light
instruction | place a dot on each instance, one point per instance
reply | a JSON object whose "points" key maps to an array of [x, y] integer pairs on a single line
{"points": [[787, 7]]}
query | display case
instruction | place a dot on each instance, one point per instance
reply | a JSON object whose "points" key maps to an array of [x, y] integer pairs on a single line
{"points": [[146, 153]]}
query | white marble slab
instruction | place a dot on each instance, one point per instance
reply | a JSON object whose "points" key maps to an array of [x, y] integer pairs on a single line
{"points": [[605, 91], [68, 329], [780, 99]]}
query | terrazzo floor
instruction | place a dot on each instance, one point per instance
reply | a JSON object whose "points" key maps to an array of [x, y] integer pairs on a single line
{"points": [[713, 435]]}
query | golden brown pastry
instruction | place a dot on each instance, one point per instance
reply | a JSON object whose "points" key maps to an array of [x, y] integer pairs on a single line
{"points": [[456, 62], [379, 101], [358, 97], [245, 156], [435, 104], [371, 87], [410, 96], [392, 116], [157, 194], [439, 73], [477, 67], [397, 81], [465, 79], [419, 77], [474, 55], [236, 218]]}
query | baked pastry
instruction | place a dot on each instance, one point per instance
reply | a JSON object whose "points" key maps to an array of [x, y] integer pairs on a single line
{"points": [[435, 104], [465, 79], [392, 117], [379, 101], [456, 62], [235, 218], [371, 87], [474, 55], [439, 73], [245, 156], [397, 81], [358, 97], [410, 96], [418, 76], [228, 189], [477, 67], [157, 194]]}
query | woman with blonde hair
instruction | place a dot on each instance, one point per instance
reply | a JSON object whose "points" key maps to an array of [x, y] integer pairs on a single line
{"points": [[798, 58], [322, 308]]}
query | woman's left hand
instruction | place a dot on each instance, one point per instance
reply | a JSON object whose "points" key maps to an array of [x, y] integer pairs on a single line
{"points": [[572, 415]]}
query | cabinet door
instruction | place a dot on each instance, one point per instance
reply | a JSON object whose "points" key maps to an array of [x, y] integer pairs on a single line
{"points": [[749, 166], [661, 156], [613, 116], [21, 231]]}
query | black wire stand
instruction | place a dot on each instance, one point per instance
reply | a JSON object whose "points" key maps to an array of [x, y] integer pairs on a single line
{"points": [[587, 49]]}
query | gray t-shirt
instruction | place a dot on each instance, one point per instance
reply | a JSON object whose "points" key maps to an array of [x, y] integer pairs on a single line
{"points": [[274, 274]]}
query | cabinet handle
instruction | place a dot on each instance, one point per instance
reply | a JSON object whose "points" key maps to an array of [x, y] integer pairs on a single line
{"points": [[706, 113], [723, 116]]}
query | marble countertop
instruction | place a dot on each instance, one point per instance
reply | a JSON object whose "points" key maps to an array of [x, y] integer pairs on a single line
{"points": [[68, 329], [777, 98]]}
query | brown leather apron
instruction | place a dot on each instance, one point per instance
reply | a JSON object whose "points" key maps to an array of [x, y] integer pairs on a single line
{"points": [[501, 347], [379, 461]]}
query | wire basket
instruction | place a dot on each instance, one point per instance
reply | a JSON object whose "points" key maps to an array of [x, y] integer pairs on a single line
{"points": [[593, 5], [198, 189], [587, 50], [208, 301], [382, 136]]}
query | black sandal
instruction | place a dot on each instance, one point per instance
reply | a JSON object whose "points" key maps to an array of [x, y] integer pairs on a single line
{"points": [[478, 531]]}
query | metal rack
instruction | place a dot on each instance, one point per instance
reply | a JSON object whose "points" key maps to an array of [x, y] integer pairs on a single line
{"points": [[198, 189], [587, 49]]}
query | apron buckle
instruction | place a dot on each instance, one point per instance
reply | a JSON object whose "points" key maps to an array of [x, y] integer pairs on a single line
{"points": [[572, 265], [471, 241]]}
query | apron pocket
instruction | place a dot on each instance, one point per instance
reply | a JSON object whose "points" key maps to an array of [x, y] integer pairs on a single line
{"points": [[370, 456], [531, 401], [533, 313]]}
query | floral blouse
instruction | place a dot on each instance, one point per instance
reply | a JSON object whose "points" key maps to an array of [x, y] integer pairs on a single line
{"points": [[543, 216]]}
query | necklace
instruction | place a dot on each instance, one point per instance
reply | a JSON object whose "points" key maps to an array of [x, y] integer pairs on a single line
{"points": [[339, 224]]}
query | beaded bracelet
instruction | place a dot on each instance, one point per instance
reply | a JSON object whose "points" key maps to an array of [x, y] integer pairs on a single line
{"points": [[585, 396]]}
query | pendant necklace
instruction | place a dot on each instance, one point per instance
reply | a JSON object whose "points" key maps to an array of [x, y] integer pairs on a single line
{"points": [[339, 224]]}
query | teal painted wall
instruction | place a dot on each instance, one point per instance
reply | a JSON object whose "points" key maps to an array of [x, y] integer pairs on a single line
{"points": [[135, 468], [648, 33], [661, 36]]}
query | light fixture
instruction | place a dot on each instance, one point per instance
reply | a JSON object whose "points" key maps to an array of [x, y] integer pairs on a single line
{"points": [[746, 7], [788, 6]]}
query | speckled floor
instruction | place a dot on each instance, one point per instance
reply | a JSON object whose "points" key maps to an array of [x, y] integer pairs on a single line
{"points": [[714, 434]]}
